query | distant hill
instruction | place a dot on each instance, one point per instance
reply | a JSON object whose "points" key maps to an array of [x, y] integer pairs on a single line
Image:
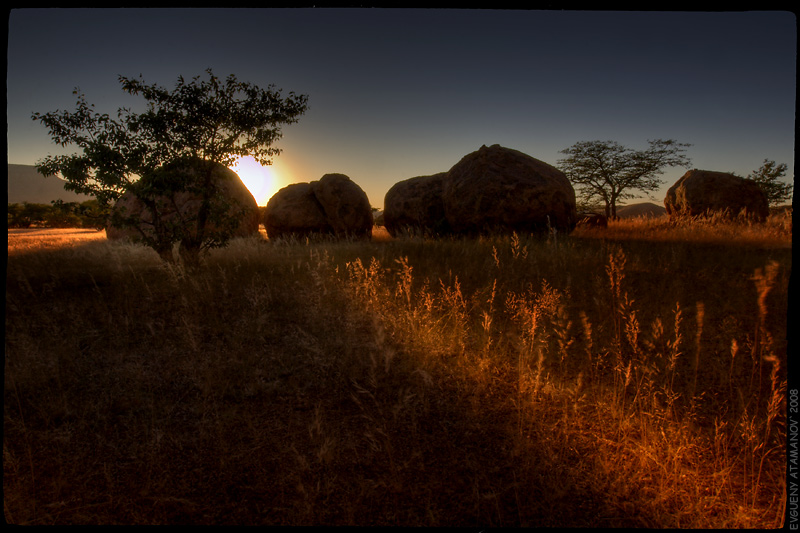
{"points": [[648, 209], [27, 185]]}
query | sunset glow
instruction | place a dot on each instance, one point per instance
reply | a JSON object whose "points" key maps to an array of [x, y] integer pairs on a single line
{"points": [[259, 179]]}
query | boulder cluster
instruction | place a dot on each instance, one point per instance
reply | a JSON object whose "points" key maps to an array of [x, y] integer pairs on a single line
{"points": [[494, 189], [334, 205], [491, 190]]}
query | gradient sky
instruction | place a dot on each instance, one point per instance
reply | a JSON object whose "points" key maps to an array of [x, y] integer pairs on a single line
{"points": [[398, 93]]}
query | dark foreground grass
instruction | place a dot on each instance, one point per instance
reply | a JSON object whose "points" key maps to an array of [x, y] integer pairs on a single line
{"points": [[571, 381]]}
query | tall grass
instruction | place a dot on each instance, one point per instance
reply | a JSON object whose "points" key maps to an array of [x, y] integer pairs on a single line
{"points": [[584, 380]]}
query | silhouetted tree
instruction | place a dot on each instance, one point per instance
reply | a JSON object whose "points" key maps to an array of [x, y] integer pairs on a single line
{"points": [[767, 178], [27, 214], [607, 171], [93, 215], [197, 126], [63, 215]]}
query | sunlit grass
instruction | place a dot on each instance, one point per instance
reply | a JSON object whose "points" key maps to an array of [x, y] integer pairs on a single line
{"points": [[599, 379], [775, 232], [643, 403], [31, 240]]}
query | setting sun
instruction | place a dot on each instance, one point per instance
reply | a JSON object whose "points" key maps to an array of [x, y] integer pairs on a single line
{"points": [[259, 179]]}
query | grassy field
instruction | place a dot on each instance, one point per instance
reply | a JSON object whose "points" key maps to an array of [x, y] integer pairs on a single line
{"points": [[627, 377]]}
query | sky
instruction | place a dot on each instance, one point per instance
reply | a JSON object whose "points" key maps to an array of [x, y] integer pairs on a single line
{"points": [[399, 93]]}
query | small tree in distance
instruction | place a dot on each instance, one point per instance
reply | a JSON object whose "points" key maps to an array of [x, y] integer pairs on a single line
{"points": [[607, 171], [196, 127], [767, 178]]}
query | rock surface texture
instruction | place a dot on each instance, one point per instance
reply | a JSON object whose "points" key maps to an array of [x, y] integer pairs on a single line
{"points": [[500, 189], [334, 205], [415, 205], [704, 192], [494, 189], [232, 192]]}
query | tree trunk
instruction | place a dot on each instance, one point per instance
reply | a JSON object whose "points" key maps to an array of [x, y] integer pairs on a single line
{"points": [[189, 251], [165, 253], [191, 246], [208, 192]]}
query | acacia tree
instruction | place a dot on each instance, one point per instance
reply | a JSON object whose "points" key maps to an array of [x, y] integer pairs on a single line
{"points": [[608, 171], [767, 179], [173, 147]]}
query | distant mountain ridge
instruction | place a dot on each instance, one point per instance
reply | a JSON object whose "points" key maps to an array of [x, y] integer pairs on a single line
{"points": [[25, 184], [648, 209]]}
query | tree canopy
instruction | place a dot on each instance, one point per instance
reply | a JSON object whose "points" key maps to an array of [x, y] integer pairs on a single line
{"points": [[197, 126], [767, 179], [609, 172]]}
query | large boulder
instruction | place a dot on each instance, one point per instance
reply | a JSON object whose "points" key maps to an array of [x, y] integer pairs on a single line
{"points": [[233, 196], [704, 192], [500, 189], [334, 205], [294, 210], [415, 205], [345, 204]]}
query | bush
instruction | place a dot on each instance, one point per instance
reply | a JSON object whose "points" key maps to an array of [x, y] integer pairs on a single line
{"points": [[58, 214]]}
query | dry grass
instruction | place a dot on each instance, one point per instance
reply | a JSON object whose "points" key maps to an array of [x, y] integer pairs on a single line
{"points": [[36, 239], [776, 232], [589, 380]]}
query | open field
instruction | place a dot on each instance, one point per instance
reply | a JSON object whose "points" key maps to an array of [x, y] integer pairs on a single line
{"points": [[632, 377], [37, 239]]}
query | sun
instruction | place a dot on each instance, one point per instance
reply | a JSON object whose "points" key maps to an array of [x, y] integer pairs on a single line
{"points": [[259, 179]]}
